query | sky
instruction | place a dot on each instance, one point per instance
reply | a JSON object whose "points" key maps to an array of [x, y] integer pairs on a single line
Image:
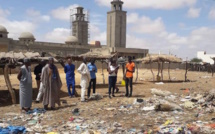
{"points": [[179, 27]]}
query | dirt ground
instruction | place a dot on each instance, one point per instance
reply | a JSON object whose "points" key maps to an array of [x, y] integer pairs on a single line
{"points": [[95, 110]]}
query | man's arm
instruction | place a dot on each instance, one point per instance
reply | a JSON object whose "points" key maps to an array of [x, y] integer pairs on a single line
{"points": [[80, 70], [133, 68], [65, 69], [95, 69], [90, 68], [19, 75]]}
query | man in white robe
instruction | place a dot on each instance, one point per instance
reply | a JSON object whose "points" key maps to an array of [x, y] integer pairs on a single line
{"points": [[25, 86], [85, 78]]}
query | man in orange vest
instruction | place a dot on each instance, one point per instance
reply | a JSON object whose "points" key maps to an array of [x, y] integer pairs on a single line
{"points": [[130, 69]]}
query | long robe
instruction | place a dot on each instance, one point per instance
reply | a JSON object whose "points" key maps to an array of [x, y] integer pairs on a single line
{"points": [[52, 86], [70, 78], [85, 79], [25, 91]]}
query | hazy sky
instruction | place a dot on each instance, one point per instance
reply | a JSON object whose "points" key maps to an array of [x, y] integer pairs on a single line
{"points": [[182, 27]]}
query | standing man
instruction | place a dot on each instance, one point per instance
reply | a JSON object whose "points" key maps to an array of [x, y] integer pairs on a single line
{"points": [[52, 84], [130, 69], [69, 69], [38, 71], [112, 70], [85, 78], [25, 86], [93, 70]]}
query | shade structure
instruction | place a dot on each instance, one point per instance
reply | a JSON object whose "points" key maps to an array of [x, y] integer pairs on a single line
{"points": [[161, 58]]}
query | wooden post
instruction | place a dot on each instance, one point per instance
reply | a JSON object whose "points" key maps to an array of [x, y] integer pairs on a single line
{"points": [[8, 83], [158, 68], [162, 63], [185, 72], [169, 71], [152, 71], [103, 73], [136, 73]]}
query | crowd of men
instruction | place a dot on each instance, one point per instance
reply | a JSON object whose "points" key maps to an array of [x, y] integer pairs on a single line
{"points": [[49, 81]]}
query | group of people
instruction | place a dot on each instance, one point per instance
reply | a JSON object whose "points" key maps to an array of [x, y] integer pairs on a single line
{"points": [[49, 81]]}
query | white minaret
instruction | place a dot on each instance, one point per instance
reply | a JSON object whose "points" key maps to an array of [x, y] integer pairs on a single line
{"points": [[116, 25]]}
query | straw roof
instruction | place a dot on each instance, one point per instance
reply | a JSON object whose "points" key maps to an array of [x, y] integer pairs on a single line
{"points": [[16, 57], [161, 58], [97, 54]]}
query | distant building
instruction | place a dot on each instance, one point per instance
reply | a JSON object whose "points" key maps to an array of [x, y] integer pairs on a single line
{"points": [[77, 42], [205, 57]]}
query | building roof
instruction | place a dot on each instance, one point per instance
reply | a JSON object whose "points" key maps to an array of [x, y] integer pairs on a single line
{"points": [[71, 39], [3, 29], [26, 35]]}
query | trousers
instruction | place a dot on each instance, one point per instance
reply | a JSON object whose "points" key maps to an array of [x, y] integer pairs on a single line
{"points": [[40, 93], [69, 85], [112, 84], [129, 81], [94, 87]]}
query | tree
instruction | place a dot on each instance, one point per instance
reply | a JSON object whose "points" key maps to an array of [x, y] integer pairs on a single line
{"points": [[196, 60]]}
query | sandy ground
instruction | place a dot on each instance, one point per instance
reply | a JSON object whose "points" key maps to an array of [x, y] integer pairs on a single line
{"points": [[93, 110]]}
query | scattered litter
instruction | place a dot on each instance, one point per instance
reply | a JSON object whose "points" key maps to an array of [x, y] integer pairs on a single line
{"points": [[160, 92], [76, 111], [148, 108], [96, 97], [159, 83], [110, 109]]}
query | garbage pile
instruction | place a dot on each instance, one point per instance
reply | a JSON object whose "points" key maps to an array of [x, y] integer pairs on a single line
{"points": [[164, 112]]}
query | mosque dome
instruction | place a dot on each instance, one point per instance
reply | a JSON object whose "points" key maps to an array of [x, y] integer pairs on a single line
{"points": [[26, 35], [3, 29], [71, 39]]}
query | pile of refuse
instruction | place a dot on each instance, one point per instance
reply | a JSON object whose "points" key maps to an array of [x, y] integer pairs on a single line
{"points": [[164, 112]]}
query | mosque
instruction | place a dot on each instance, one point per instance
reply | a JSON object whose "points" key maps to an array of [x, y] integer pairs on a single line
{"points": [[77, 43]]}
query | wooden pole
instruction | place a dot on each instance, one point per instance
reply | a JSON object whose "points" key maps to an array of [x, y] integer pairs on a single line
{"points": [[103, 74], [152, 71], [186, 71], [162, 63], [136, 73], [169, 71], [158, 68], [158, 75], [8, 83]]}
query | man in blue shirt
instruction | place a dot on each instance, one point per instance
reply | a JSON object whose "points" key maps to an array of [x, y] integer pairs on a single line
{"points": [[69, 69], [93, 70]]}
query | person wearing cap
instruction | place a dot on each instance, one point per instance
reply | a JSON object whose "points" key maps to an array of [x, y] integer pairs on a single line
{"points": [[25, 86], [51, 80], [93, 70], [85, 78], [130, 69]]}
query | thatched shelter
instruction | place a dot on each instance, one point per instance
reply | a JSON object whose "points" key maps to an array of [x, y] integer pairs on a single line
{"points": [[161, 58], [12, 60]]}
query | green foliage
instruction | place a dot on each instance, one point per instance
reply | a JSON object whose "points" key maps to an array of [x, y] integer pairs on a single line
{"points": [[196, 60]]}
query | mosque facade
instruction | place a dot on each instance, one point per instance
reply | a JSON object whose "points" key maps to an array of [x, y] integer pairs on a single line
{"points": [[77, 43]]}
